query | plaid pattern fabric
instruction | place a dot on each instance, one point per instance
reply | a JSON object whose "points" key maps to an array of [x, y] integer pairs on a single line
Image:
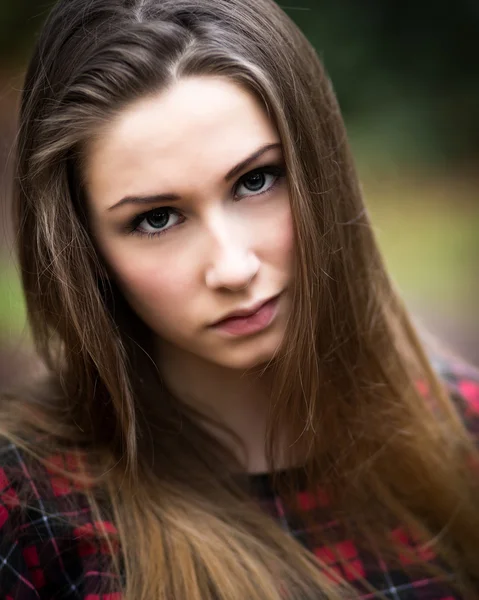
{"points": [[43, 556]]}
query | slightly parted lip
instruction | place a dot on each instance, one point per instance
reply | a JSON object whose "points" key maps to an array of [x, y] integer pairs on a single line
{"points": [[245, 312]]}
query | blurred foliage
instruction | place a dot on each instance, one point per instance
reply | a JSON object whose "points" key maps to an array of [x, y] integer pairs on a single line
{"points": [[405, 72], [427, 230], [12, 305]]}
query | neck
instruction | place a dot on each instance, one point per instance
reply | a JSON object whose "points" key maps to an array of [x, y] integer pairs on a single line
{"points": [[238, 400]]}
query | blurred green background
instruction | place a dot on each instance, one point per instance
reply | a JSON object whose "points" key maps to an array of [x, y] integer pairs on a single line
{"points": [[407, 80]]}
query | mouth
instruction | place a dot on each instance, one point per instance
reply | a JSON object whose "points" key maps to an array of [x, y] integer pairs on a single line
{"points": [[250, 319], [246, 312]]}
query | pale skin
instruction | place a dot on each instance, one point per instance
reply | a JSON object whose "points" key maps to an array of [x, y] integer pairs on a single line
{"points": [[225, 242]]}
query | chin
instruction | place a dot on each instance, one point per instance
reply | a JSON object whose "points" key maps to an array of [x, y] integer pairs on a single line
{"points": [[249, 355]]}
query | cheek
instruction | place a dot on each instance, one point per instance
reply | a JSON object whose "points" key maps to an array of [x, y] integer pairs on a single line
{"points": [[277, 236], [154, 290]]}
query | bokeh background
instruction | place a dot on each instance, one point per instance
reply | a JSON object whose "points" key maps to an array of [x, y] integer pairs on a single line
{"points": [[407, 79]]}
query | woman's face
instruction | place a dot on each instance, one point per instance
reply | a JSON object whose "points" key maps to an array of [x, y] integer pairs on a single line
{"points": [[189, 206]]}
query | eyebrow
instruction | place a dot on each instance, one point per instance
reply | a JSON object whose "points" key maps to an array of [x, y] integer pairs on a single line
{"points": [[155, 198]]}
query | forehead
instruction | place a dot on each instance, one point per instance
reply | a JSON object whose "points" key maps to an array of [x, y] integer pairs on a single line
{"points": [[200, 124]]}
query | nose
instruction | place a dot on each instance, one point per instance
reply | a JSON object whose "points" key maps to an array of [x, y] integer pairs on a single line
{"points": [[234, 265]]}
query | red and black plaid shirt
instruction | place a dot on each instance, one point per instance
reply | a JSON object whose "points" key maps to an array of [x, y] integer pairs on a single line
{"points": [[43, 556]]}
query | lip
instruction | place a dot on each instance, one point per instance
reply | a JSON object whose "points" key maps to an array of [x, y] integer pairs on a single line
{"points": [[246, 312], [248, 322]]}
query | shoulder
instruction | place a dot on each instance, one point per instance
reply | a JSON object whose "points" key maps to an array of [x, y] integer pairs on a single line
{"points": [[47, 546], [461, 380]]}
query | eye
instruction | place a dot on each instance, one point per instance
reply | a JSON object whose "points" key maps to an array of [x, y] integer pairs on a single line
{"points": [[156, 221], [259, 181]]}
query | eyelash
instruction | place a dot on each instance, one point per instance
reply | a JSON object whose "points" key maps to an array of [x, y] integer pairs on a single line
{"points": [[276, 170]]}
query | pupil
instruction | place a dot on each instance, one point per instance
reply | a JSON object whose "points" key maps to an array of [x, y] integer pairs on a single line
{"points": [[255, 182], [158, 219]]}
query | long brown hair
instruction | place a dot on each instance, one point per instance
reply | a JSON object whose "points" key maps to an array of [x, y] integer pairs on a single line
{"points": [[346, 379]]}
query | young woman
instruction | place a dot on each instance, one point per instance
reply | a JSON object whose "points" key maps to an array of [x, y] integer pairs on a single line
{"points": [[235, 404]]}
